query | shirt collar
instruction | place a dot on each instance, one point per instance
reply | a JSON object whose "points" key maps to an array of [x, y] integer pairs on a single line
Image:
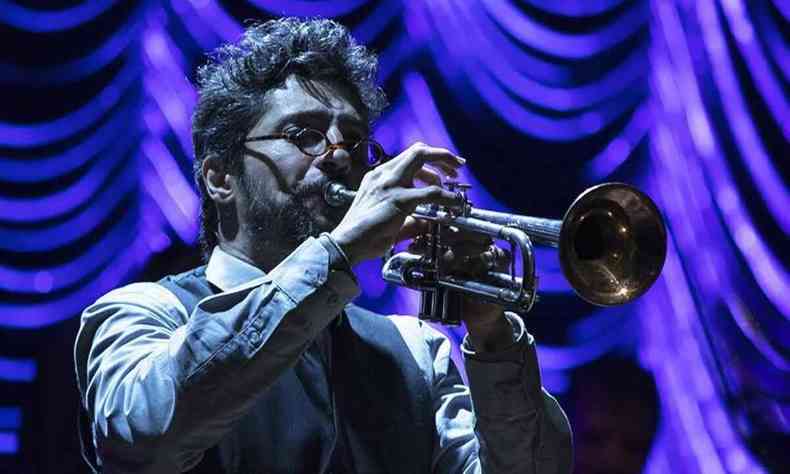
{"points": [[226, 271]]}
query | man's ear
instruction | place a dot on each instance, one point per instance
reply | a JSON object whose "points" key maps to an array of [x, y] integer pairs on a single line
{"points": [[219, 183]]}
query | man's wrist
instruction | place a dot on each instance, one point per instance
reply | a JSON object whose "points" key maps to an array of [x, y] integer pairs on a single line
{"points": [[338, 260], [341, 240], [493, 336]]}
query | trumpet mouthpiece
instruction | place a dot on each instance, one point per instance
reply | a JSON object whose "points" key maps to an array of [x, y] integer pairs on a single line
{"points": [[337, 195]]}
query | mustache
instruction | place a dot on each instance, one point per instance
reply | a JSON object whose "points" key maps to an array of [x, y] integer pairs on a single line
{"points": [[308, 189], [304, 190]]}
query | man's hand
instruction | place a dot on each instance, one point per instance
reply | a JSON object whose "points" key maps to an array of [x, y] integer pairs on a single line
{"points": [[379, 215], [472, 256]]}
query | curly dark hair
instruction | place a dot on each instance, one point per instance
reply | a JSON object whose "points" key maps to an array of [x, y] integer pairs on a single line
{"points": [[233, 84]]}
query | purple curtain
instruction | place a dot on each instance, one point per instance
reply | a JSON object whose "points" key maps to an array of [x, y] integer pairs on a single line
{"points": [[687, 100]]}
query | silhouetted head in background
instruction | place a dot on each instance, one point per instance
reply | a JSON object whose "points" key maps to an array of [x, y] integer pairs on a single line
{"points": [[615, 409]]}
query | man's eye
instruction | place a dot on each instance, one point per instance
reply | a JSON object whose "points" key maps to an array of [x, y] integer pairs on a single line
{"points": [[353, 135]]}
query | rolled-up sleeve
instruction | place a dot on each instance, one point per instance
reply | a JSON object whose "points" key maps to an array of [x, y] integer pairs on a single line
{"points": [[503, 421], [519, 425], [162, 386]]}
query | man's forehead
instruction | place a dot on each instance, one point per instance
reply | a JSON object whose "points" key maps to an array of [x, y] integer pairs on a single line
{"points": [[299, 95]]}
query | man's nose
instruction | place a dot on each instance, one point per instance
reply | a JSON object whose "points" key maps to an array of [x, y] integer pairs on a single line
{"points": [[336, 162]]}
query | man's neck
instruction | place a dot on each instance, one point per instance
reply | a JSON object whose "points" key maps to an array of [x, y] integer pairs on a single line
{"points": [[265, 255]]}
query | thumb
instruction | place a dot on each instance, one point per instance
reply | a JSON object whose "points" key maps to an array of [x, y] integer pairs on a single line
{"points": [[411, 228]]}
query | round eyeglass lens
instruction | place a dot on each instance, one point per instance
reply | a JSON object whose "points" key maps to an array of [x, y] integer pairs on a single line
{"points": [[374, 151], [311, 141]]}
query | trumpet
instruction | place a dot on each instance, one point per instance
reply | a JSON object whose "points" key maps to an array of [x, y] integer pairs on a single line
{"points": [[612, 245]]}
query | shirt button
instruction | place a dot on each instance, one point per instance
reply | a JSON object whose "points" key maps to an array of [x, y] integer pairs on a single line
{"points": [[254, 337]]}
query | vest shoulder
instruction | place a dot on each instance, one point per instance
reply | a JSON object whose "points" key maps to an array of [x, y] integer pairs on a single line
{"points": [[425, 343], [416, 327], [411, 328]]}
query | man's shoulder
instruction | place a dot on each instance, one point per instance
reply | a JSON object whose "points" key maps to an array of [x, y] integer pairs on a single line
{"points": [[155, 295], [147, 304], [146, 296]]}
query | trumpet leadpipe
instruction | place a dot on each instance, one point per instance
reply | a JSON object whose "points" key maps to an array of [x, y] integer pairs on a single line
{"points": [[541, 231], [337, 195]]}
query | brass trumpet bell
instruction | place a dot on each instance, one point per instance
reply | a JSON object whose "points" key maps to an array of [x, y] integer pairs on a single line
{"points": [[612, 244]]}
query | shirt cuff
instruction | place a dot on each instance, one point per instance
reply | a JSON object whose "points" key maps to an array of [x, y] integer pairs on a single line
{"points": [[338, 260], [309, 268]]}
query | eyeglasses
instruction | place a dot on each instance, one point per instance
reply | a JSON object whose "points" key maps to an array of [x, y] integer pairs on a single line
{"points": [[315, 143]]}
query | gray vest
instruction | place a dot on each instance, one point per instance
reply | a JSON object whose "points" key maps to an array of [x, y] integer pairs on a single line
{"points": [[380, 397]]}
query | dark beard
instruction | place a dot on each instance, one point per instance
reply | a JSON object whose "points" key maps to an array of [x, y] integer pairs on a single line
{"points": [[282, 227]]}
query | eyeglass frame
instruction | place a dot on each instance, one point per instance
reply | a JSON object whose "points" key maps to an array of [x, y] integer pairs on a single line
{"points": [[349, 146]]}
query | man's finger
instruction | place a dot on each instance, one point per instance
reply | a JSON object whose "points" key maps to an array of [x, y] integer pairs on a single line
{"points": [[410, 161], [503, 258], [461, 249], [410, 198], [470, 260], [455, 235], [428, 176]]}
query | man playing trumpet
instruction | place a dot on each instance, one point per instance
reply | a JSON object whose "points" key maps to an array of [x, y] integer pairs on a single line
{"points": [[258, 361]]}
